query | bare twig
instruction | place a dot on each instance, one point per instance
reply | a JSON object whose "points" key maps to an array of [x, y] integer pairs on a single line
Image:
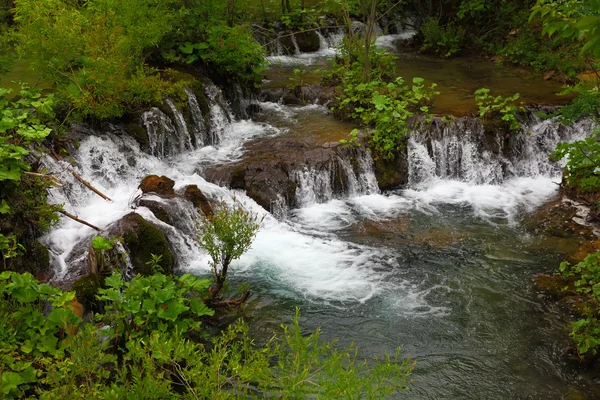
{"points": [[89, 186], [52, 178], [75, 218]]}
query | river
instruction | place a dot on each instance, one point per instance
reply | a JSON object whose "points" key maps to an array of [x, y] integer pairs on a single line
{"points": [[442, 268]]}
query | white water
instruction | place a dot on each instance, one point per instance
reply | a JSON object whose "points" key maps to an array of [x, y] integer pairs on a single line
{"points": [[328, 47], [302, 256]]}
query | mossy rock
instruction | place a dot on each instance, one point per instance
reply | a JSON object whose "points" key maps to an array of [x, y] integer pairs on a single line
{"points": [[198, 89], [199, 200], [159, 185], [308, 41], [143, 239], [139, 134], [86, 288], [392, 173]]}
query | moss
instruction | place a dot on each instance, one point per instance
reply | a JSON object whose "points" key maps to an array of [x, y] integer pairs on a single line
{"points": [[198, 89], [139, 134], [86, 288], [308, 41], [160, 185], [238, 178], [392, 173], [144, 239]]}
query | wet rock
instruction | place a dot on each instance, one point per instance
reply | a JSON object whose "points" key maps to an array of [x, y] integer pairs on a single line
{"points": [[86, 288], [267, 174], [142, 239], [308, 94], [139, 134], [199, 200], [160, 185], [308, 41], [159, 209], [392, 173]]}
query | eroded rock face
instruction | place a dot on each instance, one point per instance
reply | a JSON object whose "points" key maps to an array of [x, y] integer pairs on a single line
{"points": [[273, 169], [308, 94]]}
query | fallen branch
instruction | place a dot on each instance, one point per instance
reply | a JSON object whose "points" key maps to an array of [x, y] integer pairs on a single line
{"points": [[89, 186], [83, 181], [52, 178], [75, 218], [231, 302]]}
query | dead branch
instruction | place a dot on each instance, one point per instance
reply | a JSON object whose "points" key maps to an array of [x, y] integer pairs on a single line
{"points": [[75, 218], [89, 186], [52, 178], [230, 303]]}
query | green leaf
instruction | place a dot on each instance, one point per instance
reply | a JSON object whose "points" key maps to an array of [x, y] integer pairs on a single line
{"points": [[171, 310], [200, 309], [101, 243], [10, 381], [4, 207]]}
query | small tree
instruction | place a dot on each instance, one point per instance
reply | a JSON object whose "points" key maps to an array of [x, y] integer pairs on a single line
{"points": [[226, 235]]}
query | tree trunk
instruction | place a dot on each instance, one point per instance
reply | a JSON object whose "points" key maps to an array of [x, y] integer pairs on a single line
{"points": [[369, 28]]}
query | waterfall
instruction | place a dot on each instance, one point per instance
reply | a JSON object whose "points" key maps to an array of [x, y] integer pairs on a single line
{"points": [[162, 134], [349, 175], [199, 131], [220, 114], [183, 135], [462, 150], [295, 43]]}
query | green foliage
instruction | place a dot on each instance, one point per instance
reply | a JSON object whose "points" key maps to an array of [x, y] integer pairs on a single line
{"points": [[156, 303], [22, 123], [154, 263], [102, 243], [47, 357], [581, 171], [571, 20], [233, 53], [504, 106], [95, 52], [445, 40], [26, 333], [226, 235], [379, 100], [586, 280], [22, 197]]}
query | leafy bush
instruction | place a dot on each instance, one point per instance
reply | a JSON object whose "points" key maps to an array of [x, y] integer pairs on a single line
{"points": [[586, 280], [22, 196], [156, 303], [26, 333], [48, 357], [445, 40], [581, 172], [379, 100], [226, 235], [505, 106]]}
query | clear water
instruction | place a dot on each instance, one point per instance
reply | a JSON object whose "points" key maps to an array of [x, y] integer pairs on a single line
{"points": [[442, 269]]}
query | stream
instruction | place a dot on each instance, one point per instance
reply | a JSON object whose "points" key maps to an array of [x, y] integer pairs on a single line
{"points": [[442, 268]]}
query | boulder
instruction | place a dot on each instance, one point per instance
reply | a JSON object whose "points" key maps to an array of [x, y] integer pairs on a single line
{"points": [[199, 200], [142, 239], [159, 185], [308, 41]]}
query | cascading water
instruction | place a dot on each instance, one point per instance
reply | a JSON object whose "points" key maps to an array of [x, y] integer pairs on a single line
{"points": [[200, 133], [340, 178], [220, 115], [461, 151], [438, 267]]}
